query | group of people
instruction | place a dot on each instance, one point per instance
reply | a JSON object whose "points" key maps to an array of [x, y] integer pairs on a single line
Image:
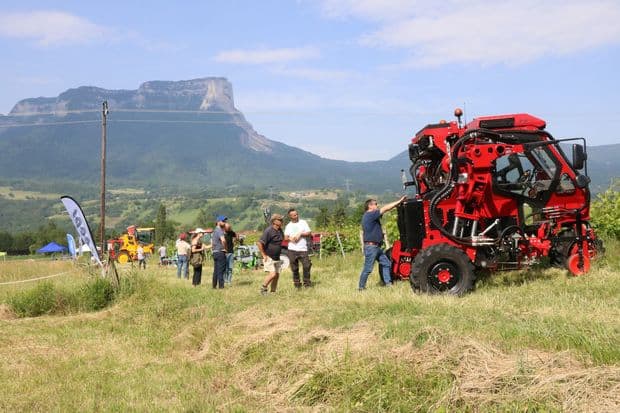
{"points": [[193, 253], [295, 233]]}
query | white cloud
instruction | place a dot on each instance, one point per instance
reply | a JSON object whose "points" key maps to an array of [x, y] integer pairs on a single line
{"points": [[377, 10], [265, 56], [310, 73], [484, 32], [51, 28]]}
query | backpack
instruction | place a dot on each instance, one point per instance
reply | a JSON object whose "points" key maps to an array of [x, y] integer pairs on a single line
{"points": [[196, 259]]}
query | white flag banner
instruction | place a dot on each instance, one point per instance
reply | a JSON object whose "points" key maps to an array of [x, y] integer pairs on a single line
{"points": [[81, 225]]}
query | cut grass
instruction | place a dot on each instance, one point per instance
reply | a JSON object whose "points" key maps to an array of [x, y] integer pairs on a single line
{"points": [[538, 341]]}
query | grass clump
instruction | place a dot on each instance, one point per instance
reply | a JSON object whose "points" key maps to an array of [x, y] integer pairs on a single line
{"points": [[34, 302], [47, 298], [97, 294], [368, 385]]}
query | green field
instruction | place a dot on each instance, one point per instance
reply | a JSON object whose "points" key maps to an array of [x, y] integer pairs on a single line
{"points": [[523, 341]]}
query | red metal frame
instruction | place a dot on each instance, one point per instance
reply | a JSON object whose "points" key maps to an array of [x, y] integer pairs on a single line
{"points": [[477, 200]]}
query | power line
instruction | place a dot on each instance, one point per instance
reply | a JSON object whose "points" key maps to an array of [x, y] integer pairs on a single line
{"points": [[17, 125]]}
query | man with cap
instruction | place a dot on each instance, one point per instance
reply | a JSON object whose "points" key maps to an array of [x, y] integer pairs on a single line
{"points": [[183, 250], [270, 246], [218, 250]]}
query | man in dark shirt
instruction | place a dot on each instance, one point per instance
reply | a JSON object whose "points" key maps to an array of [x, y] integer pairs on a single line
{"points": [[231, 237], [270, 246], [373, 240], [218, 249]]}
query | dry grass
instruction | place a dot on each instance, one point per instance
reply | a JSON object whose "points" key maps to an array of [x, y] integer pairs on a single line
{"points": [[546, 343]]}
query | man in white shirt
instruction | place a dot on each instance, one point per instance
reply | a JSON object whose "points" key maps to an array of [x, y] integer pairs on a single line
{"points": [[183, 252], [141, 257], [296, 233], [162, 254]]}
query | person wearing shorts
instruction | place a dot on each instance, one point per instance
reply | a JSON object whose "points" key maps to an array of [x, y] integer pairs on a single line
{"points": [[270, 246]]}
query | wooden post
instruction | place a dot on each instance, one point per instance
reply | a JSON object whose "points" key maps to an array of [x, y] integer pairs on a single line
{"points": [[340, 244], [362, 240], [104, 113]]}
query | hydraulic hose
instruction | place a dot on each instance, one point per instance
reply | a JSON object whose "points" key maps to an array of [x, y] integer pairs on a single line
{"points": [[444, 192]]}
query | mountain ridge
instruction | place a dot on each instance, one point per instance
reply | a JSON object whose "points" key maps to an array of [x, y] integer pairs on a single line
{"points": [[186, 133]]}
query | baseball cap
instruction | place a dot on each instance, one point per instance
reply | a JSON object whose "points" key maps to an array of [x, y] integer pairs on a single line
{"points": [[221, 218]]}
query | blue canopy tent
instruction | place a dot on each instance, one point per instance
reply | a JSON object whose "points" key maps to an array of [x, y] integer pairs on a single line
{"points": [[52, 247]]}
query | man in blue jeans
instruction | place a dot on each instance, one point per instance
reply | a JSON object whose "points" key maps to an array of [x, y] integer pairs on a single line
{"points": [[218, 250], [183, 252], [373, 240]]}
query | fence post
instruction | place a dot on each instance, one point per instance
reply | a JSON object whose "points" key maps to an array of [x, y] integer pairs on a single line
{"points": [[362, 240], [340, 244]]}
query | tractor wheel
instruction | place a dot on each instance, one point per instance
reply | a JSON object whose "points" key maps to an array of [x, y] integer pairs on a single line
{"points": [[442, 269], [560, 257], [123, 257]]}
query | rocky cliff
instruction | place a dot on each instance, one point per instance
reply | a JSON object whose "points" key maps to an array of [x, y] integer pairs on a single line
{"points": [[210, 95]]}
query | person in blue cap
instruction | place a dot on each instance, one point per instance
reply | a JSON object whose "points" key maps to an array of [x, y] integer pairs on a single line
{"points": [[218, 250]]}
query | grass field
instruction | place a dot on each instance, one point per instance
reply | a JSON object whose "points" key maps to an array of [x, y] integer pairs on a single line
{"points": [[17, 194], [523, 341]]}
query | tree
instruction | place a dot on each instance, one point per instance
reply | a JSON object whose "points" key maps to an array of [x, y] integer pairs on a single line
{"points": [[339, 216], [322, 218], [6, 241], [202, 220], [161, 225]]}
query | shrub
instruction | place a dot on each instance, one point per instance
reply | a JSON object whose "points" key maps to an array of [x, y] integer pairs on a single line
{"points": [[34, 302], [605, 212], [97, 294]]}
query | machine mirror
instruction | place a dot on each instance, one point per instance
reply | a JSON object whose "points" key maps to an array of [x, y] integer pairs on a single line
{"points": [[579, 156], [582, 181]]}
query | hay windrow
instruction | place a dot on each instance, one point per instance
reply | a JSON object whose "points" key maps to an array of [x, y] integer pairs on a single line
{"points": [[485, 376]]}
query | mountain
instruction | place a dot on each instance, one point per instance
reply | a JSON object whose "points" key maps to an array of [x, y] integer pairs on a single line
{"points": [[165, 133], [184, 135]]}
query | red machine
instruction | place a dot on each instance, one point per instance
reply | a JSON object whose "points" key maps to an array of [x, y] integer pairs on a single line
{"points": [[498, 194]]}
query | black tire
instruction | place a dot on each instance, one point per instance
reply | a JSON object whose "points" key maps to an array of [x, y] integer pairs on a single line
{"points": [[560, 251], [442, 269]]}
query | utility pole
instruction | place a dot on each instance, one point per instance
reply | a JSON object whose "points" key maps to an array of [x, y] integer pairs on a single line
{"points": [[104, 113]]}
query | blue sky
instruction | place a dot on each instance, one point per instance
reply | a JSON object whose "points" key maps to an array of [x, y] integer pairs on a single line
{"points": [[348, 79]]}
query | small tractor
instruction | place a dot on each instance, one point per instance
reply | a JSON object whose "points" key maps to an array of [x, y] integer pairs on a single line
{"points": [[124, 248], [498, 193]]}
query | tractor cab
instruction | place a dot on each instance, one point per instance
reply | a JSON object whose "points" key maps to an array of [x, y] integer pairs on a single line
{"points": [[145, 235]]}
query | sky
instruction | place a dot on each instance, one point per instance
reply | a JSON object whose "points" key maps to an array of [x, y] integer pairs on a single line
{"points": [[345, 79]]}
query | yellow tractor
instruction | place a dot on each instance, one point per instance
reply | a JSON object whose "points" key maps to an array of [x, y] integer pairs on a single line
{"points": [[125, 248]]}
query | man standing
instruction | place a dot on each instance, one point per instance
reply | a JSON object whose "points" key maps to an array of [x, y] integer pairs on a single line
{"points": [[141, 257], [218, 248], [231, 237], [296, 233], [162, 254], [270, 246], [183, 251], [373, 240]]}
